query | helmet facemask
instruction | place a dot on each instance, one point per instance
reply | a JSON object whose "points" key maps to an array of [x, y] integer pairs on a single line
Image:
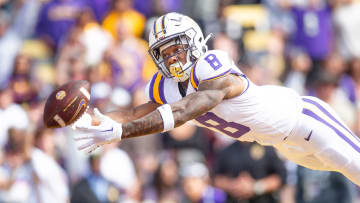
{"points": [[178, 71]]}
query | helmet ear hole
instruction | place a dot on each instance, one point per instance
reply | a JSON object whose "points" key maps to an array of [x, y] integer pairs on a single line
{"points": [[204, 48]]}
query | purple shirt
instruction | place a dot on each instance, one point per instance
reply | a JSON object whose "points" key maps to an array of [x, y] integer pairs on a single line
{"points": [[313, 31], [147, 7], [57, 17], [100, 8], [213, 194], [348, 86]]}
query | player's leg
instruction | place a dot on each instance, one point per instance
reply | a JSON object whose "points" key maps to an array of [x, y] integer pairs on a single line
{"points": [[342, 161], [339, 148]]}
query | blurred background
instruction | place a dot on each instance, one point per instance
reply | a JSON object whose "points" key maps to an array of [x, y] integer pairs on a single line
{"points": [[312, 46]]}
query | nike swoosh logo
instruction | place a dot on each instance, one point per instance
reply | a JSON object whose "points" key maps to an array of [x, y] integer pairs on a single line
{"points": [[107, 130], [308, 137]]}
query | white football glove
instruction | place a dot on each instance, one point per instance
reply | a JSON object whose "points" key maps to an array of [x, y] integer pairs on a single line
{"points": [[107, 132]]}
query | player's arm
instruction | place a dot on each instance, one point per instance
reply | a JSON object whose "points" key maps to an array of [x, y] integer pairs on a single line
{"points": [[127, 115], [209, 94]]}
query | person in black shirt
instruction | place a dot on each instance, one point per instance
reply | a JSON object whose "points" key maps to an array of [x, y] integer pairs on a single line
{"points": [[249, 173]]}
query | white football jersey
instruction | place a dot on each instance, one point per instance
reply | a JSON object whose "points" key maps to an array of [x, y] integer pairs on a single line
{"points": [[265, 114]]}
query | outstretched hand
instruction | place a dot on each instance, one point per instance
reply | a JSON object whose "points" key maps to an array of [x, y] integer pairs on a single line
{"points": [[106, 132]]}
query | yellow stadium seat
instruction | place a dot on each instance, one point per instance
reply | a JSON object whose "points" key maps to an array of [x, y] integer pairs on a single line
{"points": [[247, 15], [256, 41]]}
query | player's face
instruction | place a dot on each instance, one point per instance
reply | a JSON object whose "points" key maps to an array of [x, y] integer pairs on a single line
{"points": [[173, 54]]}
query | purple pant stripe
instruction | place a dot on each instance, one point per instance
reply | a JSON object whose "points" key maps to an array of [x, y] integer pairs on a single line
{"points": [[338, 132], [328, 114]]}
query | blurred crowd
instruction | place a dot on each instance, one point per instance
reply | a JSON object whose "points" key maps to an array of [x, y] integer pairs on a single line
{"points": [[312, 46]]}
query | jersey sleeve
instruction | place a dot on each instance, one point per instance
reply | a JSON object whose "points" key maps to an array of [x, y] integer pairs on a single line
{"points": [[213, 65], [147, 89], [154, 90]]}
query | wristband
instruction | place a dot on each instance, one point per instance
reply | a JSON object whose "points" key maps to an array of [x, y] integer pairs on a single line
{"points": [[259, 188], [118, 130], [167, 116]]}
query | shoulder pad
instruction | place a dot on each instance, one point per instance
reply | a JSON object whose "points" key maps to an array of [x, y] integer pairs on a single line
{"points": [[212, 65], [155, 89]]}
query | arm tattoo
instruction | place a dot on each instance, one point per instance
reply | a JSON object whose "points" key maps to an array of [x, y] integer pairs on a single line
{"points": [[149, 124], [193, 105]]}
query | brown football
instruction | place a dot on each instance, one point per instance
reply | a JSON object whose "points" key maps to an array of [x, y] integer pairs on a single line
{"points": [[66, 104]]}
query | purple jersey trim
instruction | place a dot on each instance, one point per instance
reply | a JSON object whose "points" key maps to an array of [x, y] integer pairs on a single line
{"points": [[236, 72], [196, 80], [151, 94], [338, 132], [161, 90], [218, 76], [248, 84]]}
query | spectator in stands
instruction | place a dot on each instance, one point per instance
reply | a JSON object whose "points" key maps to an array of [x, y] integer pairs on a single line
{"points": [[165, 186], [323, 187], [100, 8], [314, 31], [123, 10], [12, 115], [94, 188], [117, 167], [355, 75], [129, 59], [56, 19], [326, 87], [33, 175], [197, 186], [300, 65], [188, 137], [248, 172], [347, 23]]}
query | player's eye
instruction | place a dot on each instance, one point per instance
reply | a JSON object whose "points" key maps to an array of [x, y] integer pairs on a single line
{"points": [[179, 50], [166, 56]]}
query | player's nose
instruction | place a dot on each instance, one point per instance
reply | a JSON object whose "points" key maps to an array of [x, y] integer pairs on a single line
{"points": [[172, 59]]}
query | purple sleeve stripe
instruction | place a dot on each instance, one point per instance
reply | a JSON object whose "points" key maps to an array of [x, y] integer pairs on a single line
{"points": [[247, 85], [218, 76], [338, 132], [235, 72], [152, 87], [328, 114], [196, 80], [161, 89]]}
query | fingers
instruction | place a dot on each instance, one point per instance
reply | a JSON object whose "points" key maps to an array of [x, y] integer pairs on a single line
{"points": [[86, 145], [83, 137], [91, 148], [88, 129], [99, 114]]}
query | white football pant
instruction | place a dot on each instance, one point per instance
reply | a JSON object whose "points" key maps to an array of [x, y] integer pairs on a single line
{"points": [[322, 141]]}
